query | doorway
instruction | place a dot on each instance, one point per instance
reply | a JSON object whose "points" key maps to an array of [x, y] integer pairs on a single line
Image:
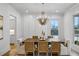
{"points": [[12, 34], [12, 29]]}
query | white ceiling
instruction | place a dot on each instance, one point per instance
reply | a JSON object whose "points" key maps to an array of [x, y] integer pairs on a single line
{"points": [[48, 8]]}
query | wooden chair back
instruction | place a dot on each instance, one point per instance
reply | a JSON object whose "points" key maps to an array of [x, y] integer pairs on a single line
{"points": [[55, 48], [29, 47], [42, 46]]}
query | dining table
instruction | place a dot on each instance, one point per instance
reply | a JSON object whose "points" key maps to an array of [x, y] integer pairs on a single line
{"points": [[36, 41]]}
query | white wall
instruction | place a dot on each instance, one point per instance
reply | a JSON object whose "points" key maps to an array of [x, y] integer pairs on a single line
{"points": [[68, 29], [6, 10], [32, 27], [12, 11], [68, 26], [61, 28]]}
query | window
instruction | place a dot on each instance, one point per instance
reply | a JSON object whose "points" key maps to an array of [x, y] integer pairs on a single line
{"points": [[76, 30], [54, 28]]}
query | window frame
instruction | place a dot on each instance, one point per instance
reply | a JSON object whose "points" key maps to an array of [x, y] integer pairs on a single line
{"points": [[55, 26], [76, 42]]}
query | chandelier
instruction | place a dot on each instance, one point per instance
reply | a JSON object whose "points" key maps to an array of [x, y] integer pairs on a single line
{"points": [[43, 18]]}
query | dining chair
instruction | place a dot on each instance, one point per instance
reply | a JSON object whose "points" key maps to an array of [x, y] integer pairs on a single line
{"points": [[55, 48], [29, 48], [42, 47]]}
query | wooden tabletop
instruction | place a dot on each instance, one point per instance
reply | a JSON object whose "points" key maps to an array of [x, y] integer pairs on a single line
{"points": [[31, 40], [36, 40]]}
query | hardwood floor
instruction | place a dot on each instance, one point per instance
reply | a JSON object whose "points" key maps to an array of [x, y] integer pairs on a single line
{"points": [[13, 50], [17, 52]]}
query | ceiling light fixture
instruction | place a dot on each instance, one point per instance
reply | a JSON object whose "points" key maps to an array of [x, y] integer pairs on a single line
{"points": [[42, 18], [42, 3]]}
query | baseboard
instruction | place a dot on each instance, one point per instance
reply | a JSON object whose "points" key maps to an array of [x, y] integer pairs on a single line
{"points": [[6, 54]]}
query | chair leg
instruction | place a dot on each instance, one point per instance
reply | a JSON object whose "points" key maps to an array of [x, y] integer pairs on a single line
{"points": [[47, 54], [51, 54], [26, 53], [33, 54], [38, 53]]}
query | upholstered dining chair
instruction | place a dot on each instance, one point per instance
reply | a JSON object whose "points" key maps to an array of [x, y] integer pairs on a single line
{"points": [[42, 47], [55, 48], [29, 48]]}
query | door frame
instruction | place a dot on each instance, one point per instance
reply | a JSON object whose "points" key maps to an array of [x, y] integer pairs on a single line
{"points": [[15, 26]]}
